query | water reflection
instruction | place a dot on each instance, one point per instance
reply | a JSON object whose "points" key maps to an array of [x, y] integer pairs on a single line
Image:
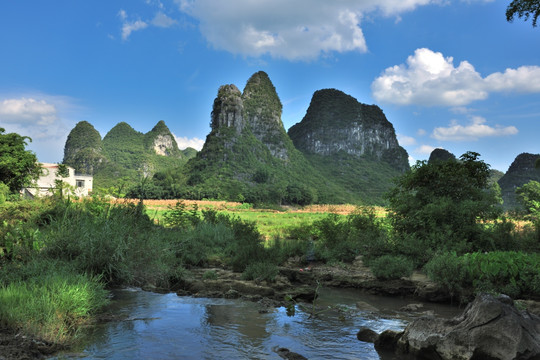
{"points": [[170, 327]]}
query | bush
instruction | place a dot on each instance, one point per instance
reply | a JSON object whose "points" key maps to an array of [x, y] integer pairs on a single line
{"points": [[120, 243], [513, 273], [448, 272], [390, 267], [260, 271]]}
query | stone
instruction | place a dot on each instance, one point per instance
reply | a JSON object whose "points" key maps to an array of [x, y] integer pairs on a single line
{"points": [[412, 307], [367, 335], [489, 328]]}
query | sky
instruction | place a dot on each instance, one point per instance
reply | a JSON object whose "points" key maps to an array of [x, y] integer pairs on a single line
{"points": [[450, 74]]}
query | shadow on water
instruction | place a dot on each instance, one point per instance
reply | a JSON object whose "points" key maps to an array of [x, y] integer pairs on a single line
{"points": [[165, 326]]}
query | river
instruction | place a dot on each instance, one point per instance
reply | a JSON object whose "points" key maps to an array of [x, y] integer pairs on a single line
{"points": [[167, 326]]}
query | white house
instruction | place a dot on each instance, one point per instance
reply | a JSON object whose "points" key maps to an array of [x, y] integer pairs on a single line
{"points": [[45, 185]]}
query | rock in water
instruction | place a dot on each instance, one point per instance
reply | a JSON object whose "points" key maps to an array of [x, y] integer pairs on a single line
{"points": [[489, 328]]}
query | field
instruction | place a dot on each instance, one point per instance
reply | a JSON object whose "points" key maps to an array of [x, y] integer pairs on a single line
{"points": [[270, 222]]}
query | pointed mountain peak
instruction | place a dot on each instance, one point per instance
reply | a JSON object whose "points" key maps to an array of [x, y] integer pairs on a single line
{"points": [[260, 97], [161, 140]]}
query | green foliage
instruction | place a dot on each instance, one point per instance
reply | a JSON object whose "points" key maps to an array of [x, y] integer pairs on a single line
{"points": [[51, 301], [448, 272], [4, 192], [341, 239], [513, 273], [523, 9], [117, 242], [18, 166], [210, 275], [390, 267], [441, 206], [180, 217], [261, 271], [19, 241], [529, 196]]}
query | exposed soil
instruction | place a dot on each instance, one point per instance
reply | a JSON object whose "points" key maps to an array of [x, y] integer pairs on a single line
{"points": [[16, 346]]}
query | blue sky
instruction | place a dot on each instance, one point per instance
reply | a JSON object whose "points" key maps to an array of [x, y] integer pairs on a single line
{"points": [[447, 73]]}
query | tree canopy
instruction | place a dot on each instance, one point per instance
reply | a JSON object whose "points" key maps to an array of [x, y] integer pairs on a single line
{"points": [[18, 166], [523, 9], [441, 205]]}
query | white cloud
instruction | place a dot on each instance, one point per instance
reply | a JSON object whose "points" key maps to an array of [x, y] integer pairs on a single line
{"points": [[27, 111], [406, 140], [421, 132], [525, 79], [476, 129], [162, 20], [44, 118], [184, 142], [293, 30], [424, 149], [129, 27], [429, 78]]}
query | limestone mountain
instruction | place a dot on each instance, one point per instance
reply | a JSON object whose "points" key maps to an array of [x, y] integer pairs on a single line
{"points": [[440, 155], [124, 155], [248, 154], [83, 149], [351, 143], [521, 171]]}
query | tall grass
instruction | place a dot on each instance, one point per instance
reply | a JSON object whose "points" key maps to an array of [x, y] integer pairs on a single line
{"points": [[53, 304]]}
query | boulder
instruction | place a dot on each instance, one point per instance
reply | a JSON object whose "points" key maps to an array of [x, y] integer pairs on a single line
{"points": [[489, 328]]}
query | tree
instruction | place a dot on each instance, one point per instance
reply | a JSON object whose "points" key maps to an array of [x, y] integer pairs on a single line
{"points": [[441, 206], [529, 197], [18, 166], [523, 9]]}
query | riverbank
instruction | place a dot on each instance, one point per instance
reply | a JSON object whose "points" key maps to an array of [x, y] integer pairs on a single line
{"points": [[295, 279], [299, 281]]}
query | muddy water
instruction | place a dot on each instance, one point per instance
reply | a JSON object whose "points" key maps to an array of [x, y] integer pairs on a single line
{"points": [[171, 327]]}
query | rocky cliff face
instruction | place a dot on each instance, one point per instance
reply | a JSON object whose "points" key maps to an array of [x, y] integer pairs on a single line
{"points": [[83, 149], [336, 122], [161, 141], [256, 111], [521, 171]]}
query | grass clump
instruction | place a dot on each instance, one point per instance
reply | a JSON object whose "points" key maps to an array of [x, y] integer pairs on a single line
{"points": [[53, 304]]}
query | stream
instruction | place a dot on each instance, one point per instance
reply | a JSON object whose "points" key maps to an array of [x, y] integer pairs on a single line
{"points": [[167, 326]]}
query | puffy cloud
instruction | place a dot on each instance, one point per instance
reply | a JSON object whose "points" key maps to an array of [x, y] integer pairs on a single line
{"points": [[424, 149], [293, 30], [27, 111], [406, 140], [184, 142], [429, 78], [525, 79], [162, 20], [473, 131], [43, 118]]}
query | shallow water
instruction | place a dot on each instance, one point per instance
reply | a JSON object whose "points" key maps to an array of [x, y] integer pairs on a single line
{"points": [[166, 326]]}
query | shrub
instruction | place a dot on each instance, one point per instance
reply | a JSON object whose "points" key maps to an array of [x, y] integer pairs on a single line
{"points": [[261, 271], [447, 271], [210, 275], [390, 267]]}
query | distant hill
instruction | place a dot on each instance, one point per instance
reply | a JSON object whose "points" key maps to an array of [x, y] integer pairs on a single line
{"points": [[351, 144], [124, 153], [521, 171]]}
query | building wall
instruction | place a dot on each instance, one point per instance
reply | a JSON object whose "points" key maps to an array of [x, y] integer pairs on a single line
{"points": [[81, 185]]}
